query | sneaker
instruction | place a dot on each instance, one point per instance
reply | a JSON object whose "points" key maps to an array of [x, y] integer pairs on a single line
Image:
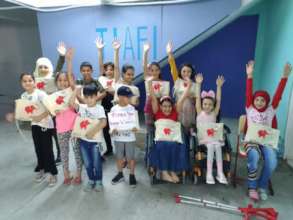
{"points": [[253, 194], [89, 186], [118, 178], [222, 179], [263, 194], [210, 179], [99, 186], [40, 176], [132, 180], [58, 161], [52, 180]]}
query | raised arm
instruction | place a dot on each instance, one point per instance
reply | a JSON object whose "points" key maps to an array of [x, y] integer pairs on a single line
{"points": [[116, 46], [186, 93], [155, 104], [249, 83], [100, 46], [61, 48], [279, 92], [146, 49], [171, 60], [198, 81], [72, 99], [69, 57], [220, 81]]}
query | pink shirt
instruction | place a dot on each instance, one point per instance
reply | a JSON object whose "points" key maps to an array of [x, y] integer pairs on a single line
{"points": [[65, 120]]}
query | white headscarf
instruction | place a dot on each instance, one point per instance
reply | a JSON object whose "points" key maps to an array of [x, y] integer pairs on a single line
{"points": [[43, 61]]}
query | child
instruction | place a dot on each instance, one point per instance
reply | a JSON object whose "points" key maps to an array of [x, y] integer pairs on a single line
{"points": [[127, 80], [259, 110], [44, 69], [42, 130], [152, 71], [124, 140], [188, 115], [168, 157], [207, 108], [90, 148], [107, 74], [64, 125]]}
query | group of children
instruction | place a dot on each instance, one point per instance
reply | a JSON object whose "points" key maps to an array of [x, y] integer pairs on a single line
{"points": [[94, 99]]}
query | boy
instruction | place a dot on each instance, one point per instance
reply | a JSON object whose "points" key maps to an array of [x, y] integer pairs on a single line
{"points": [[91, 148], [124, 140]]}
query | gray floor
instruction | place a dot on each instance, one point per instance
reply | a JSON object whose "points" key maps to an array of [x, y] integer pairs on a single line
{"points": [[21, 198]]}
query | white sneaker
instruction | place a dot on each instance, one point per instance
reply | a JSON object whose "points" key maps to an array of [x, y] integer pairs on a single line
{"points": [[52, 180], [222, 179], [40, 176], [210, 179]]}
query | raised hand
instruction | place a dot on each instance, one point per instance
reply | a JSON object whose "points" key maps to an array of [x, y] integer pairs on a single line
{"points": [[199, 78], [287, 70], [220, 80], [99, 43], [250, 68], [69, 54], [116, 44], [61, 48], [146, 47], [169, 47]]}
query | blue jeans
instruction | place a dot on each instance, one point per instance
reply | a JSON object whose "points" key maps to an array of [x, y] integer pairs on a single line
{"points": [[270, 164], [92, 160]]}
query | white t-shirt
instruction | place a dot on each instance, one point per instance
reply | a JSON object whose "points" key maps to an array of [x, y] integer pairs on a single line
{"points": [[38, 96], [134, 90], [123, 136], [96, 112]]}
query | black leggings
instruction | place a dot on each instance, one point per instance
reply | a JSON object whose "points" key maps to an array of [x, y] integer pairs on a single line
{"points": [[42, 138]]}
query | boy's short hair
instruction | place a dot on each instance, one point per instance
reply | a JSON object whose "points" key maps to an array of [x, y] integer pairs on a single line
{"points": [[126, 67], [86, 64], [26, 74], [90, 90]]}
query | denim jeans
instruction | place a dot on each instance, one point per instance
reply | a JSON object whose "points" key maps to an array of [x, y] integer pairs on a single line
{"points": [[92, 159], [270, 164]]}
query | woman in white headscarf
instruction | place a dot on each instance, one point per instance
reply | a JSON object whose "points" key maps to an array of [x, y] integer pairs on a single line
{"points": [[44, 73]]}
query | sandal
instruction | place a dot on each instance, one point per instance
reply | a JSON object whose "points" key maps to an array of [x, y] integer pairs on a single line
{"points": [[253, 194], [76, 181], [67, 181]]}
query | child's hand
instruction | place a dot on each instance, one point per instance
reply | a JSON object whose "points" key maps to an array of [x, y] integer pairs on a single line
{"points": [[114, 132], [99, 43], [116, 44], [199, 78], [220, 81], [134, 130], [90, 134], [287, 70], [69, 54], [10, 117], [250, 68], [146, 47], [169, 47], [37, 118], [61, 49]]}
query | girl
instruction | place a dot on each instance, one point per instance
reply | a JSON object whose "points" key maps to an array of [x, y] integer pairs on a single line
{"points": [[42, 130], [64, 125], [207, 108], [168, 157], [127, 80], [152, 71], [259, 110], [44, 70], [108, 81], [187, 116]]}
